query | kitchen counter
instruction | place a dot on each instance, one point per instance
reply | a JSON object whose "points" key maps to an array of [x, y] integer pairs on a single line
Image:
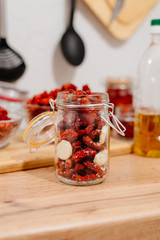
{"points": [[35, 205]]}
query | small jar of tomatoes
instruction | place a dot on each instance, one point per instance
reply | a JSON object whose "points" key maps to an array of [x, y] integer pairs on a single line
{"points": [[120, 91], [80, 129]]}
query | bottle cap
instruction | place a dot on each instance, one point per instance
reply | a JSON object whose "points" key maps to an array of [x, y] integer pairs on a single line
{"points": [[155, 26], [155, 22]]}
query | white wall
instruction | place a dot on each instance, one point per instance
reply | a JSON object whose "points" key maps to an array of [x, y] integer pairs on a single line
{"points": [[34, 29]]}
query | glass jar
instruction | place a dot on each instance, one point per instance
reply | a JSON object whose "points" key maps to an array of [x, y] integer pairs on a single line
{"points": [[120, 90], [81, 132], [126, 115]]}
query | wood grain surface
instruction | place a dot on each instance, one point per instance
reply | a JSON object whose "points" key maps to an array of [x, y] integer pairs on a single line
{"points": [[35, 205], [17, 156], [129, 18]]}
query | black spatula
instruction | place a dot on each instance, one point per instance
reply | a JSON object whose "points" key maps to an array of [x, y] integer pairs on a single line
{"points": [[12, 65]]}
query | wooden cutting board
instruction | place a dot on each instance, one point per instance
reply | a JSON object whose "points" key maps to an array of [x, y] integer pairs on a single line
{"points": [[17, 156], [129, 18]]}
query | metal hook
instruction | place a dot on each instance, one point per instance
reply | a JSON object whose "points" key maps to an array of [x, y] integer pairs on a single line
{"points": [[52, 102], [119, 126]]}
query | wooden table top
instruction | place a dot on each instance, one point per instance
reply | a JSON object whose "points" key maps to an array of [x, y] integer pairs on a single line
{"points": [[35, 205]]}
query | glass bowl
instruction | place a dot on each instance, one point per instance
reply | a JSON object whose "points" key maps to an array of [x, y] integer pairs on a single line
{"points": [[8, 128], [34, 110], [9, 93]]}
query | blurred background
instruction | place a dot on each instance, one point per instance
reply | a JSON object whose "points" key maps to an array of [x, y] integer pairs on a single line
{"points": [[35, 27]]}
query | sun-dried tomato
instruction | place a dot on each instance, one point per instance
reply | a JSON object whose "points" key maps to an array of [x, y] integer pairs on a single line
{"points": [[87, 152], [4, 114], [95, 133], [88, 177], [79, 92], [85, 100], [61, 165], [71, 120], [86, 88], [76, 146], [6, 126], [78, 167], [68, 163], [96, 99], [85, 131], [69, 135], [54, 93], [90, 143], [68, 87], [88, 116], [93, 167], [40, 99], [68, 173], [100, 123]]}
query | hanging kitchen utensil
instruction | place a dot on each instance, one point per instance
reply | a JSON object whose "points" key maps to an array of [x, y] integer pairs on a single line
{"points": [[71, 44], [12, 65]]}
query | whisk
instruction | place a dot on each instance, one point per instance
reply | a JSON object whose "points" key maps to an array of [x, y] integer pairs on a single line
{"points": [[12, 65]]}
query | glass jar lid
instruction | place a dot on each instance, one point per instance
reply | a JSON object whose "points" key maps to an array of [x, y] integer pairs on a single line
{"points": [[92, 100], [122, 83], [40, 131]]}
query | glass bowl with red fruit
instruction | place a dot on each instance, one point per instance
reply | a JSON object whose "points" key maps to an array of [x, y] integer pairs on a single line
{"points": [[40, 102], [9, 124]]}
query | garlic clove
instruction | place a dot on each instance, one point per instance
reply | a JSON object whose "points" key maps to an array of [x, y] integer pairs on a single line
{"points": [[101, 158], [64, 150], [103, 134]]}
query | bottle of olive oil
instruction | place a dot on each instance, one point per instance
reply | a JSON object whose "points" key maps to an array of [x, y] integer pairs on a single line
{"points": [[147, 98]]}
